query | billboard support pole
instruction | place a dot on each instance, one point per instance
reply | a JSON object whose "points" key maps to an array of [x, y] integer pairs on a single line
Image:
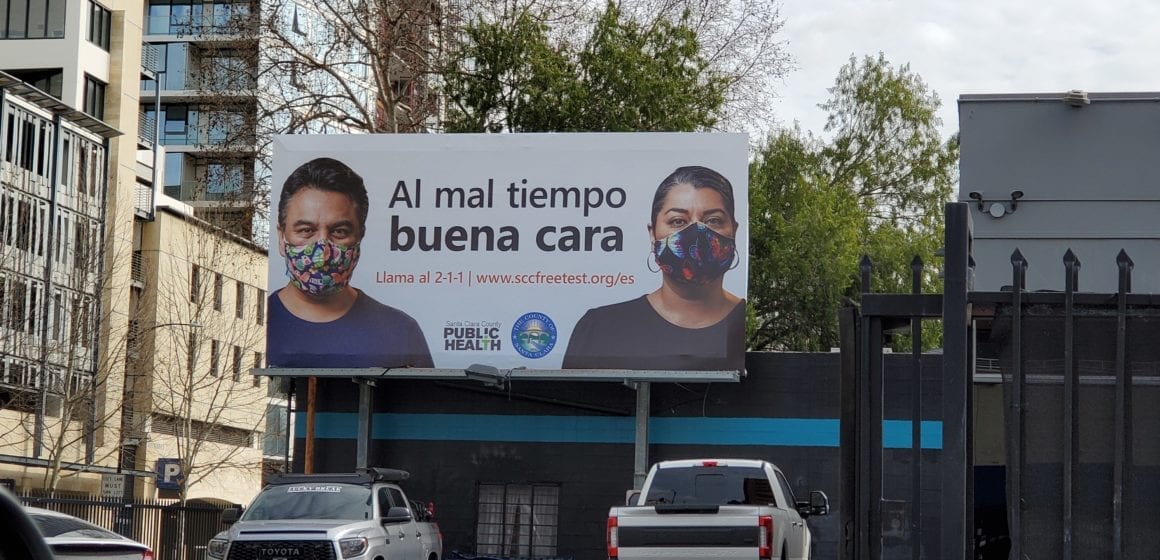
{"points": [[311, 389], [643, 406], [365, 393]]}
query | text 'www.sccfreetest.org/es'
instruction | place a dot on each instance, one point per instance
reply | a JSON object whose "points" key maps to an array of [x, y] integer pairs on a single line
{"points": [[468, 278]]}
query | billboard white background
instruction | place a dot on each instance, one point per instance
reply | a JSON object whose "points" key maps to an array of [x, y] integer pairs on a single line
{"points": [[633, 162]]}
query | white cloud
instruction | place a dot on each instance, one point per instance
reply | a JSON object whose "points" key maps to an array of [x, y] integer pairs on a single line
{"points": [[987, 46]]}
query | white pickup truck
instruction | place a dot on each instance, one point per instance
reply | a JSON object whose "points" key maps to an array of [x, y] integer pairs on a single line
{"points": [[359, 516], [714, 508]]}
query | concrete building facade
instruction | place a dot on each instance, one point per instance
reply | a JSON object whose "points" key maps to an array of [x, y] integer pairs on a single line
{"points": [[99, 258]]}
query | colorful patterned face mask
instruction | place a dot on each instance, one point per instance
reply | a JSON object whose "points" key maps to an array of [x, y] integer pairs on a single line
{"points": [[321, 268], [694, 255]]}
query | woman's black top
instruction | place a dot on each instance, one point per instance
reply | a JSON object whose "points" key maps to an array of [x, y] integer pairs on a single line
{"points": [[632, 335]]}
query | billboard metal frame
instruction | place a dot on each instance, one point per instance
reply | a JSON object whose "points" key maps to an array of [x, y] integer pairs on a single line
{"points": [[639, 380]]}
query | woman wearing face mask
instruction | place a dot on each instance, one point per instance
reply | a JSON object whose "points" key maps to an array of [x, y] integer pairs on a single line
{"points": [[318, 319], [691, 322]]}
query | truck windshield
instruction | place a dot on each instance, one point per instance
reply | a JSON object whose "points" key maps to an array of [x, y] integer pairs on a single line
{"points": [[711, 486], [311, 501]]}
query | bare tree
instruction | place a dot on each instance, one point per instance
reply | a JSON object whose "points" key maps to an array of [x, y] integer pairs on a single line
{"points": [[205, 335], [353, 65]]}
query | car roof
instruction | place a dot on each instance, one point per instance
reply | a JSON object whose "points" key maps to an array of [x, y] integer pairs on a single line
{"points": [[34, 511], [42, 511], [685, 463]]}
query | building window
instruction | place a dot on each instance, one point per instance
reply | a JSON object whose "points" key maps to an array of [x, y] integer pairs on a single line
{"points": [[214, 357], [195, 285], [32, 19], [223, 181], [48, 80], [191, 355], [174, 61], [218, 285], [94, 97], [178, 124], [15, 294], [174, 170], [85, 322], [261, 315], [298, 23], [237, 363], [99, 25], [240, 301], [57, 316], [257, 365], [179, 17], [517, 520]]}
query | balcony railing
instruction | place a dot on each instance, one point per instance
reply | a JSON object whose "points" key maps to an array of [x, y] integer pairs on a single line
{"points": [[151, 58], [193, 190], [143, 200], [234, 141], [137, 271], [146, 127], [234, 22]]}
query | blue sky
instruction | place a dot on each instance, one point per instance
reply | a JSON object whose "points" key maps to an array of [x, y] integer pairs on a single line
{"points": [[984, 46]]}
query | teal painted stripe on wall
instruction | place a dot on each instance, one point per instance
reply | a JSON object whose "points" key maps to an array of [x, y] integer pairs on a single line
{"points": [[791, 432]]}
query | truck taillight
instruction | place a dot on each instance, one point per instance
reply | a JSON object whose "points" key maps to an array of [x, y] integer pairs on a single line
{"points": [[765, 537], [147, 554], [708, 463], [613, 539]]}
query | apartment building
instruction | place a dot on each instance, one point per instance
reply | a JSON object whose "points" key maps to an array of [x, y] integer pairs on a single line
{"points": [[204, 100], [198, 329], [91, 246]]}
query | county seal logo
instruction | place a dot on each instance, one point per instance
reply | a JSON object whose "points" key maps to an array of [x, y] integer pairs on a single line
{"points": [[534, 335]]}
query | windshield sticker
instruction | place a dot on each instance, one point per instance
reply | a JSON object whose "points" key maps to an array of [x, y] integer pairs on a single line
{"points": [[332, 489]]}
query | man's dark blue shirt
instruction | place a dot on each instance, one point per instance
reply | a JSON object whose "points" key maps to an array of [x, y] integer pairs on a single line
{"points": [[369, 335]]}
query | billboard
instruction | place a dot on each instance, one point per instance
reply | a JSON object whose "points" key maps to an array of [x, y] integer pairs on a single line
{"points": [[544, 251]]}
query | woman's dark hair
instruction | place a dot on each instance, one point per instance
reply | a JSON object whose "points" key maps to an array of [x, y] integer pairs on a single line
{"points": [[326, 174], [701, 178]]}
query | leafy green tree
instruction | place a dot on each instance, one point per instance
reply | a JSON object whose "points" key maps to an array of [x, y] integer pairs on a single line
{"points": [[513, 75], [886, 145], [877, 188]]}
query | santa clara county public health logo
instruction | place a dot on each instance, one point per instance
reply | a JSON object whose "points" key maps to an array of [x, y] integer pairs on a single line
{"points": [[534, 335]]}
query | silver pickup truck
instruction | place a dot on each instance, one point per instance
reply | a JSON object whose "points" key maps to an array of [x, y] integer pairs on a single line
{"points": [[714, 508], [359, 516]]}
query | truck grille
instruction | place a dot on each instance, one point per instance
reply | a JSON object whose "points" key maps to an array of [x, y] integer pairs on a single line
{"points": [[288, 550]]}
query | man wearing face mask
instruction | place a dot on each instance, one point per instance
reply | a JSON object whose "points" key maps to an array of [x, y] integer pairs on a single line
{"points": [[318, 319], [691, 322]]}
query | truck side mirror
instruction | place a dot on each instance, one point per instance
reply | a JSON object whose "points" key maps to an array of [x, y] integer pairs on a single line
{"points": [[819, 503], [631, 497], [397, 515], [231, 515]]}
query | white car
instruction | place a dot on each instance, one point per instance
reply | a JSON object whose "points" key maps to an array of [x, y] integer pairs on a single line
{"points": [[70, 538]]}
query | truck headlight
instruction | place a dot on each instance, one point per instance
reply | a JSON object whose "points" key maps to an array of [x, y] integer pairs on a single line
{"points": [[217, 548], [352, 547]]}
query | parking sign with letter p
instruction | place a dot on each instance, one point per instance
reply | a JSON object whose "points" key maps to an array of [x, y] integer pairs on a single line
{"points": [[169, 475]]}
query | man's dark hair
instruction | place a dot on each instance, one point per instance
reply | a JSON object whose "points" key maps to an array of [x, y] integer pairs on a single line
{"points": [[701, 178], [326, 174]]}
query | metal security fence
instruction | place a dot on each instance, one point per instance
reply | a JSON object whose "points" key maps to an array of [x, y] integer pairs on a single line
{"points": [[173, 531], [1078, 463], [1079, 373]]}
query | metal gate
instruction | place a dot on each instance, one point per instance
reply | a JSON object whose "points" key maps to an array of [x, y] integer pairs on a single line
{"points": [[1080, 464]]}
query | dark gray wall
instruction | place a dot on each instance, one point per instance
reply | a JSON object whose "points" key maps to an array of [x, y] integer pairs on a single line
{"points": [[1090, 178], [595, 475]]}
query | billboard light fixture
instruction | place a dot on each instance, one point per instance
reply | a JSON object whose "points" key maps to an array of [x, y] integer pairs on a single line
{"points": [[997, 209], [1077, 98], [488, 375]]}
